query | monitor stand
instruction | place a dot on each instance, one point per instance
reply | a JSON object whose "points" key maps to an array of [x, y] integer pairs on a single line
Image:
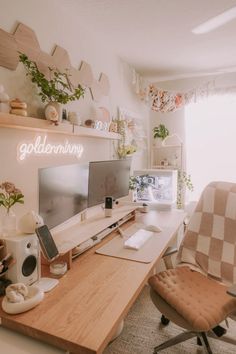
{"points": [[46, 284]]}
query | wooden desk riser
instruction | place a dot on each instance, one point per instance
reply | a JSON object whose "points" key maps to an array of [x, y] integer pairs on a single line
{"points": [[83, 312]]}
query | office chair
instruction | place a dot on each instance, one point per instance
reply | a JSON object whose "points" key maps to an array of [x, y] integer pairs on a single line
{"points": [[194, 294]]}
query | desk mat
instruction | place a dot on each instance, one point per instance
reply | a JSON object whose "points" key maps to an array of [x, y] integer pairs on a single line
{"points": [[150, 251]]}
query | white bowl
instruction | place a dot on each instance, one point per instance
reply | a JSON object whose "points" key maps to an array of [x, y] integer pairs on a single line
{"points": [[35, 296]]}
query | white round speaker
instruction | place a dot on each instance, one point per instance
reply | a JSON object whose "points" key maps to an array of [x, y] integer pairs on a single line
{"points": [[26, 252]]}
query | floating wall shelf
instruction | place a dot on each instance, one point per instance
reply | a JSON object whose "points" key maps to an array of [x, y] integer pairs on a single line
{"points": [[34, 124]]}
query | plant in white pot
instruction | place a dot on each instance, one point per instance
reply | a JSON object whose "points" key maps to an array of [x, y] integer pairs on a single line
{"points": [[9, 195], [160, 132], [58, 90]]}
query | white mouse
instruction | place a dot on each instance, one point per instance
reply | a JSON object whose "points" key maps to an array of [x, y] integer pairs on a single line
{"points": [[153, 228]]}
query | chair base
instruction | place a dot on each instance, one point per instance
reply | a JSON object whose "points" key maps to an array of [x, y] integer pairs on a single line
{"points": [[182, 338], [165, 321], [219, 331]]}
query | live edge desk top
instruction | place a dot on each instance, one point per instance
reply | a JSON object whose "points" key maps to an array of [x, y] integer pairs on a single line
{"points": [[82, 313]]}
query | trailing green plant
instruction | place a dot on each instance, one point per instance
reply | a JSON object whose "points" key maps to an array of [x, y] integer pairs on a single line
{"points": [[57, 89], [123, 149], [132, 183], [183, 180], [160, 132], [138, 182]]}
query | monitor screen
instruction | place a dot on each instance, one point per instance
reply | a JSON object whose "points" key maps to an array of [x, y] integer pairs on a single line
{"points": [[108, 178], [156, 186], [63, 192]]}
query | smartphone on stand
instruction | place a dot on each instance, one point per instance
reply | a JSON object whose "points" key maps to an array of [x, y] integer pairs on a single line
{"points": [[47, 244]]}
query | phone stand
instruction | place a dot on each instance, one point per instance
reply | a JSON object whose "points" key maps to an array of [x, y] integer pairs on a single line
{"points": [[108, 212], [46, 284]]}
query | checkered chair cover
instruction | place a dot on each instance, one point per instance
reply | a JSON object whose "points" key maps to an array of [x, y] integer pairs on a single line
{"points": [[209, 244]]}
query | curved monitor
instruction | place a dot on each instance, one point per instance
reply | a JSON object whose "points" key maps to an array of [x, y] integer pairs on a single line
{"points": [[108, 178], [63, 192]]}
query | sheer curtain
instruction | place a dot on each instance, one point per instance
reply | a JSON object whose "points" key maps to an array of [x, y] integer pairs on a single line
{"points": [[210, 141]]}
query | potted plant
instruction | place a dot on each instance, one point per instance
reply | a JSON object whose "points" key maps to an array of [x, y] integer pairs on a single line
{"points": [[160, 132], [9, 195], [57, 90]]}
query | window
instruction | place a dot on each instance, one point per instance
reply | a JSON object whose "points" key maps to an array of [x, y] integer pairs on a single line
{"points": [[210, 141]]}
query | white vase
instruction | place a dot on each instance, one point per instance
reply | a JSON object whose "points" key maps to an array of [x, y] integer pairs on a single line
{"points": [[133, 195], [53, 112], [9, 224]]}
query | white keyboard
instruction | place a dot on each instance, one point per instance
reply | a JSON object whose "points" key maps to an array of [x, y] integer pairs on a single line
{"points": [[138, 239]]}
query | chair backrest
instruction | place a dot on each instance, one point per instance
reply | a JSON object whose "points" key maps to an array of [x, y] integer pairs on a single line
{"points": [[210, 239]]}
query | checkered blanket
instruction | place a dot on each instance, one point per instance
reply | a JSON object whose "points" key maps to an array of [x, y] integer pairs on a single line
{"points": [[210, 240]]}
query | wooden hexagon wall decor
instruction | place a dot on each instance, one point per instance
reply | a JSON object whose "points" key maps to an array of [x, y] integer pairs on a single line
{"points": [[104, 84], [47, 59], [86, 74], [61, 59], [27, 41], [9, 57], [43, 68], [24, 34], [44, 62], [95, 90], [74, 77]]}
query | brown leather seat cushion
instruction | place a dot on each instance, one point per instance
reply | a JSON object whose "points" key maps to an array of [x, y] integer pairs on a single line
{"points": [[201, 301]]}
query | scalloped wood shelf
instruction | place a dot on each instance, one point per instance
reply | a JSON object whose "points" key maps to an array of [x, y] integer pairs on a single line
{"points": [[13, 121], [94, 133], [166, 168]]}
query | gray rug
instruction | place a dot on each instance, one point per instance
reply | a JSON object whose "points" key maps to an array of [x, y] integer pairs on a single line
{"points": [[143, 331]]}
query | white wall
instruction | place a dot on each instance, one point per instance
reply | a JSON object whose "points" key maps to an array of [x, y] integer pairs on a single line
{"points": [[59, 22]]}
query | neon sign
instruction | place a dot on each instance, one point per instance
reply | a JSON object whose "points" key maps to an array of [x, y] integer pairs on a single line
{"points": [[40, 146]]}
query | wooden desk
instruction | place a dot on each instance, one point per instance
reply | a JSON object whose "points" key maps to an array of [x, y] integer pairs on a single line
{"points": [[82, 313]]}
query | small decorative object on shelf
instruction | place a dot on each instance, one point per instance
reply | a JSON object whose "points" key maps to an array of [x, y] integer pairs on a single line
{"points": [[64, 114], [65, 117], [113, 127], [57, 89], [89, 123], [18, 107], [164, 162], [52, 112], [4, 100], [9, 195], [74, 118]]}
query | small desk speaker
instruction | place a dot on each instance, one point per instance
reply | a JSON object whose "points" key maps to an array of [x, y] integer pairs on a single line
{"points": [[108, 206], [26, 253]]}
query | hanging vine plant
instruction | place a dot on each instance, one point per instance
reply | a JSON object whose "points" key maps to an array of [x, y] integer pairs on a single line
{"points": [[57, 89], [183, 179]]}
